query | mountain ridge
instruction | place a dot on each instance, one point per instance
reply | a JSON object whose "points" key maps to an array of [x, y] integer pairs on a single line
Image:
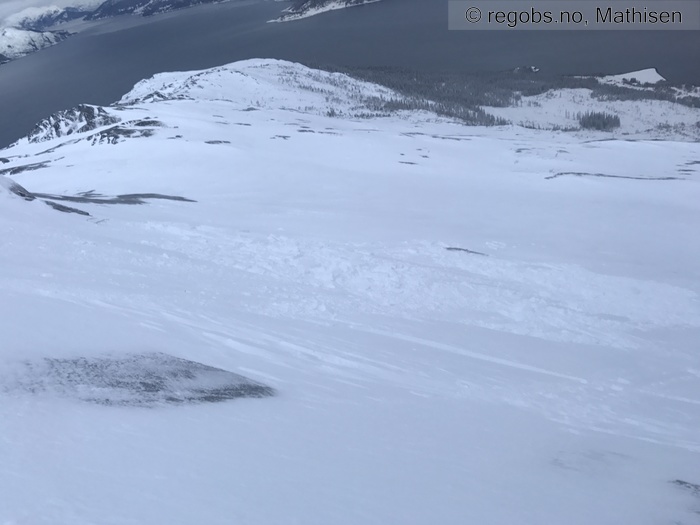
{"points": [[35, 28]]}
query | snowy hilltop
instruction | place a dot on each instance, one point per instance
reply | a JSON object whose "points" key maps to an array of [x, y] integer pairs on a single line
{"points": [[263, 293]]}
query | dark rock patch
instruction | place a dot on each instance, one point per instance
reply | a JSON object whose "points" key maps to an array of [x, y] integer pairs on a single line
{"points": [[140, 380], [90, 197], [27, 195], [447, 137], [583, 174], [117, 134], [77, 120], [456, 249], [148, 122], [26, 167], [217, 142], [66, 209], [692, 487]]}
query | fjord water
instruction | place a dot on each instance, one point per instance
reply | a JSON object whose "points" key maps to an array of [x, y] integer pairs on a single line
{"points": [[106, 59]]}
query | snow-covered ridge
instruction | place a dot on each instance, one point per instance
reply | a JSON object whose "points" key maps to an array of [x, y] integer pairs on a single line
{"points": [[305, 9], [269, 84], [279, 84], [272, 84]]}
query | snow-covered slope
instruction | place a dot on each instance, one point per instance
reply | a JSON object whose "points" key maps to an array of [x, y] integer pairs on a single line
{"points": [[461, 325], [306, 8], [15, 43]]}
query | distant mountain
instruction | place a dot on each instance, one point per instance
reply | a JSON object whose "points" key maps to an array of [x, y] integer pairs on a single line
{"points": [[15, 43], [42, 19], [34, 28], [305, 8], [140, 7]]}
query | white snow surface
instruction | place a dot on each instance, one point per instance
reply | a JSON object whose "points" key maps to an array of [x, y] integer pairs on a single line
{"points": [[554, 379]]}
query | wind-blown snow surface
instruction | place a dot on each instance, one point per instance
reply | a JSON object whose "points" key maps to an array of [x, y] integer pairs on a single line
{"points": [[552, 380]]}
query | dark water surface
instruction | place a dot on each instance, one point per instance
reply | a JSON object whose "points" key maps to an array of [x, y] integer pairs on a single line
{"points": [[108, 58]]}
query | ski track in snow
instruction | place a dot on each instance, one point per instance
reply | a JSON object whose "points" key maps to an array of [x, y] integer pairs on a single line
{"points": [[553, 379]]}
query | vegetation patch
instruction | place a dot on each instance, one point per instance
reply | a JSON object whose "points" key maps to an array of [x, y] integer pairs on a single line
{"points": [[599, 121]]}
